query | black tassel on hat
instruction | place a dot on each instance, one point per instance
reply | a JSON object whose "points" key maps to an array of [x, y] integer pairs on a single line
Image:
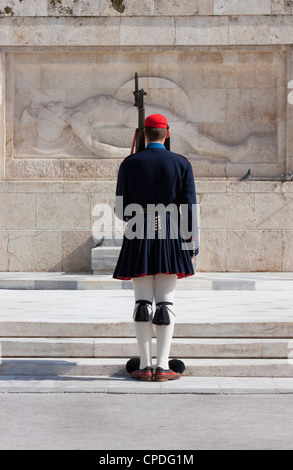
{"points": [[142, 312], [168, 142], [162, 316]]}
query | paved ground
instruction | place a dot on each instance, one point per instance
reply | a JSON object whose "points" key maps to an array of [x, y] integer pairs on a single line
{"points": [[125, 385], [146, 422], [108, 413]]}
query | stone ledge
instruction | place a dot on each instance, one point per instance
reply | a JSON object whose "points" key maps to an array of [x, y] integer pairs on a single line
{"points": [[196, 348], [118, 385], [237, 348], [146, 31], [201, 281], [136, 8], [116, 367]]}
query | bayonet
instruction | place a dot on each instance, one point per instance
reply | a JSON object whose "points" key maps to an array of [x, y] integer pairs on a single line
{"points": [[139, 95]]}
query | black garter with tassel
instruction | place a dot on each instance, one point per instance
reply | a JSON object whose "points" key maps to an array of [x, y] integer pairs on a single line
{"points": [[162, 316], [142, 312]]}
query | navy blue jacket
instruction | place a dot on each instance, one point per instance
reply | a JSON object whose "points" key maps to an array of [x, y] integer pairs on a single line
{"points": [[156, 175]]}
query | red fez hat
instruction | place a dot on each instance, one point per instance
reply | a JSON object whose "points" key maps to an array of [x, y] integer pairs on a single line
{"points": [[156, 120]]}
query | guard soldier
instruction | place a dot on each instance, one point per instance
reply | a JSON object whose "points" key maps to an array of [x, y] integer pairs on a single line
{"points": [[159, 182]]}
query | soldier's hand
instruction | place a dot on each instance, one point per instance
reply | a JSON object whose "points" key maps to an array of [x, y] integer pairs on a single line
{"points": [[194, 261]]}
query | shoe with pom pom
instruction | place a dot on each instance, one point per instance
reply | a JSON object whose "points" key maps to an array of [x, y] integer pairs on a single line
{"points": [[162, 375], [146, 375]]}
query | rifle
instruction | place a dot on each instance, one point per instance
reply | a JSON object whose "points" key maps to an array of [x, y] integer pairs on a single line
{"points": [[139, 138]]}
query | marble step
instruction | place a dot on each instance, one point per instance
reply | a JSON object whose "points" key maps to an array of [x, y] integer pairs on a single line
{"points": [[103, 281], [43, 329], [60, 367], [104, 259], [127, 347]]}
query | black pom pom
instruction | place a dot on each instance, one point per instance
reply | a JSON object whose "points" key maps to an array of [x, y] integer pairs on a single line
{"points": [[133, 364], [142, 312], [177, 366], [162, 316]]}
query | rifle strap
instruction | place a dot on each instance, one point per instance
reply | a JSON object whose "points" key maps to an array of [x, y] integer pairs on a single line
{"points": [[133, 144]]}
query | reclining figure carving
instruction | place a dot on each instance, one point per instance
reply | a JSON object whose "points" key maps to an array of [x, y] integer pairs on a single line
{"points": [[53, 125]]}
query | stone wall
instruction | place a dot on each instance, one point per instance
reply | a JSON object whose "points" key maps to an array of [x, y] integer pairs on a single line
{"points": [[49, 226], [220, 70]]}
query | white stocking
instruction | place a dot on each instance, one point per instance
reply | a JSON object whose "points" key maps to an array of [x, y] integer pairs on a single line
{"points": [[164, 292], [143, 331], [164, 340], [144, 290], [160, 288]]}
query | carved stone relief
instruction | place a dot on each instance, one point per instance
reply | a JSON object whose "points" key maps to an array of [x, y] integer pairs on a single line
{"points": [[2, 91], [226, 110]]}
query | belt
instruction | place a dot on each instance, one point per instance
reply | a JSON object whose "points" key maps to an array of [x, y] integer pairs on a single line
{"points": [[160, 210]]}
